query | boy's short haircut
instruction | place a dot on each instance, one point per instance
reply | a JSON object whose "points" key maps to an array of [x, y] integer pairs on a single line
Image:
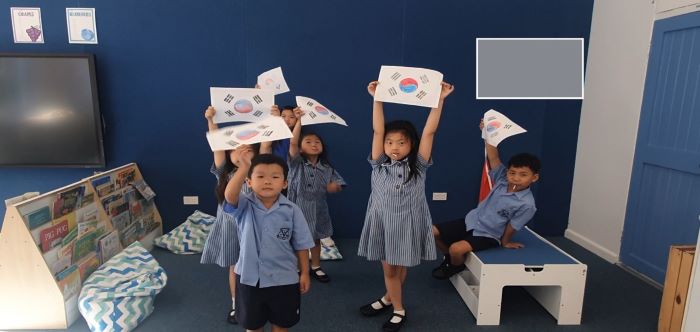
{"points": [[268, 159], [525, 160], [288, 108]]}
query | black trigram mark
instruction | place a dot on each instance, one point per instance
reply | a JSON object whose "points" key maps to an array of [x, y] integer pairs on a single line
{"points": [[230, 113], [268, 133], [395, 76], [228, 132], [312, 115], [424, 79], [232, 143], [507, 126], [263, 127], [392, 91], [257, 113], [421, 94], [257, 99], [310, 103], [228, 98], [333, 116]]}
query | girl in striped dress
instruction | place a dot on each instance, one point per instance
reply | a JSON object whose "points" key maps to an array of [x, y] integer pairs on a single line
{"points": [[310, 177], [398, 226], [222, 245]]}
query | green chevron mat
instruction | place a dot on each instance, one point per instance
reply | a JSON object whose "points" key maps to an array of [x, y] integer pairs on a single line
{"points": [[119, 295], [189, 237]]}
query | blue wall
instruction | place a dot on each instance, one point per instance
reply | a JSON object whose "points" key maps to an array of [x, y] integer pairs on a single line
{"points": [[157, 59]]}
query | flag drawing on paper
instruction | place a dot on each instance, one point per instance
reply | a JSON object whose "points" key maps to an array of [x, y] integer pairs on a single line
{"points": [[486, 182], [498, 127], [270, 129], [238, 104], [315, 112], [26, 25], [273, 79], [409, 85]]}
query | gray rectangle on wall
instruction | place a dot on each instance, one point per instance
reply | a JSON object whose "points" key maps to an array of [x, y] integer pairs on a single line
{"points": [[529, 68]]}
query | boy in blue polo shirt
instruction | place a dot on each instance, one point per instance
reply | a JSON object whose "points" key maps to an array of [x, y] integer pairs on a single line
{"points": [[274, 239], [507, 208]]}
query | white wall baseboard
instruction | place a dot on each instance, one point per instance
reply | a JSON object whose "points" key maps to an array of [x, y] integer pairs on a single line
{"points": [[592, 246]]}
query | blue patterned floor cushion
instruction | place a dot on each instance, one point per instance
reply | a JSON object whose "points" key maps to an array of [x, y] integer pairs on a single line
{"points": [[120, 294], [189, 237]]}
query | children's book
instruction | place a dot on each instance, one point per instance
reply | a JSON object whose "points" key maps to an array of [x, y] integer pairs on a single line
{"points": [[144, 189], [88, 265], [38, 217], [121, 221], [125, 177], [71, 199], [84, 245], [69, 281], [103, 185], [109, 246], [87, 199], [52, 236]]}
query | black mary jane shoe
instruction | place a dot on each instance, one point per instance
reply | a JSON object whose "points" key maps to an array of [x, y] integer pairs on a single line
{"points": [[368, 310], [393, 327], [320, 277], [231, 318], [447, 272]]}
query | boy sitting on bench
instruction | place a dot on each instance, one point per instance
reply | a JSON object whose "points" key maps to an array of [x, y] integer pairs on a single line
{"points": [[507, 208]]}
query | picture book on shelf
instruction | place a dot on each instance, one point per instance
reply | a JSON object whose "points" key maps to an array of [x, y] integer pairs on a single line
{"points": [[38, 217], [52, 236]]}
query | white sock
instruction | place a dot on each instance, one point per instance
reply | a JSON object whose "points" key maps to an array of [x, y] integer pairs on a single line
{"points": [[395, 319], [376, 305], [321, 273], [233, 303]]}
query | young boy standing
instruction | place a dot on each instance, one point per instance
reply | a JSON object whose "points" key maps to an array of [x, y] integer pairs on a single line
{"points": [[507, 208], [274, 240]]}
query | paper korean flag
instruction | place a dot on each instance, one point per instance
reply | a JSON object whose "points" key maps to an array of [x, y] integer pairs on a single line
{"points": [[315, 113], [270, 129], [247, 105], [81, 25], [410, 86], [26, 25], [273, 80], [498, 127]]}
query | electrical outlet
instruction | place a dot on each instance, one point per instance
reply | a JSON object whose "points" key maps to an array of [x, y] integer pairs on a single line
{"points": [[190, 200], [439, 196]]}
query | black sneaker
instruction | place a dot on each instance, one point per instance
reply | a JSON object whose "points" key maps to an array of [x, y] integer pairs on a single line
{"points": [[445, 263], [368, 310], [393, 327], [231, 318], [447, 272]]}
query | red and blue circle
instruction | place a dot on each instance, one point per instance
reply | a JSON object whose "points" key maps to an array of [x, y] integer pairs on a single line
{"points": [[321, 110], [243, 106], [408, 85], [247, 134], [493, 125]]}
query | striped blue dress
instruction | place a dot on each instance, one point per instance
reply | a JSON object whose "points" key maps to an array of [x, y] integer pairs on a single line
{"points": [[307, 189], [222, 246], [398, 226]]}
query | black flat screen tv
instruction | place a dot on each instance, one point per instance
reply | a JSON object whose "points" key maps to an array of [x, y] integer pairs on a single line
{"points": [[49, 111]]}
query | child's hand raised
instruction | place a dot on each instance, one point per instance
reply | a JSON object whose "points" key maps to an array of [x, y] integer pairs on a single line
{"points": [[209, 113], [275, 110], [242, 155], [446, 89], [333, 187], [298, 113], [481, 125], [372, 87]]}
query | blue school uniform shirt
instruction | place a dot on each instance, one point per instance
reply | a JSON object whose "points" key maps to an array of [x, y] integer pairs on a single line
{"points": [[500, 207], [281, 148], [269, 239]]}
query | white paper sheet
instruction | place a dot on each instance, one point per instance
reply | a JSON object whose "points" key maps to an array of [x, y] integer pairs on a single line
{"points": [[26, 25], [237, 104], [408, 85], [315, 112], [498, 127], [270, 129], [273, 79], [82, 28]]}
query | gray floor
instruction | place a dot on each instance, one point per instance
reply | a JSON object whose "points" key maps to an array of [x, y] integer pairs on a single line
{"points": [[196, 299]]}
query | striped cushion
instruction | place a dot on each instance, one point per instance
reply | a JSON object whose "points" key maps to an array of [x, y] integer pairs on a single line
{"points": [[189, 237], [119, 295], [329, 253]]}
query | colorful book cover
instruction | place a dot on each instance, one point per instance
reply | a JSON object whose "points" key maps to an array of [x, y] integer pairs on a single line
{"points": [[69, 281], [129, 234], [104, 189], [57, 208], [71, 199], [88, 265], [87, 213], [36, 233], [109, 246], [118, 207], [144, 189], [87, 199], [55, 263], [121, 221], [38, 217], [107, 201], [70, 218], [102, 182], [66, 250], [84, 245], [52, 236], [125, 177]]}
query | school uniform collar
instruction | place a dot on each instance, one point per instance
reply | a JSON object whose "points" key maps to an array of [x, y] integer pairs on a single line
{"points": [[281, 201], [319, 164], [392, 162]]}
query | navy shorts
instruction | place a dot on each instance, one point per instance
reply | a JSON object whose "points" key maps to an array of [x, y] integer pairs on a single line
{"points": [[256, 306], [456, 230]]}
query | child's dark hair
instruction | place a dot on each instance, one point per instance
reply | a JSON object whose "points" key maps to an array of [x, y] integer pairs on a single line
{"points": [[323, 157], [228, 169], [525, 160], [268, 159], [288, 108], [407, 129]]}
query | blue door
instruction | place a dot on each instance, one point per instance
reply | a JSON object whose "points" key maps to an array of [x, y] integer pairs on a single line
{"points": [[664, 198]]}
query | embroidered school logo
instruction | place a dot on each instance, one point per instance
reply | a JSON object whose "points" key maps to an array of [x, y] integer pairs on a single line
{"points": [[284, 234], [504, 213]]}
